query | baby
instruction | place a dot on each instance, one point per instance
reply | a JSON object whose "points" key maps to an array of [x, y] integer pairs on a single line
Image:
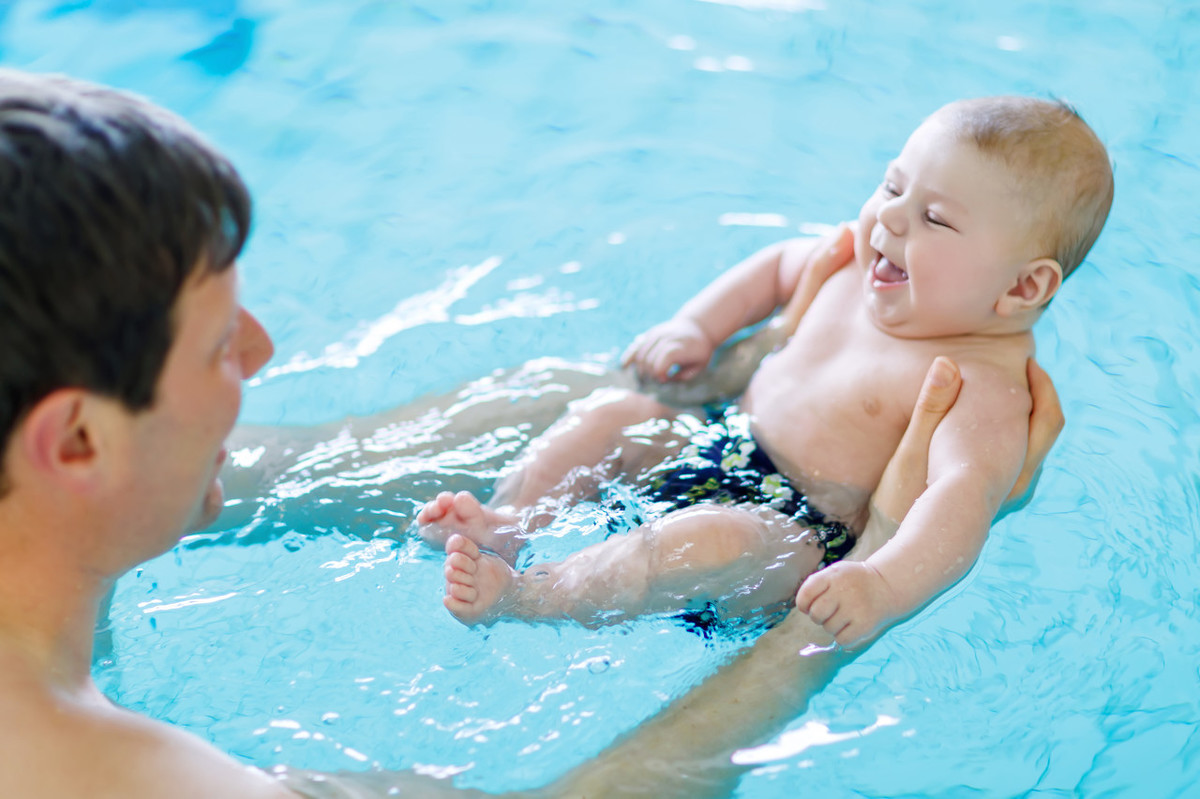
{"points": [[989, 206]]}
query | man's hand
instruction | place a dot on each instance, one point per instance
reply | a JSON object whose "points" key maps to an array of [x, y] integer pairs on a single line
{"points": [[1045, 423], [826, 595], [905, 476], [677, 349], [850, 600]]}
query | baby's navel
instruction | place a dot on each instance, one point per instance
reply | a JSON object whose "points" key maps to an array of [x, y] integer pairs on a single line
{"points": [[871, 406]]}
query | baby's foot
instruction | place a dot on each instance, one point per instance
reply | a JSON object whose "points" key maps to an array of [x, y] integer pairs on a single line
{"points": [[476, 583], [462, 514]]}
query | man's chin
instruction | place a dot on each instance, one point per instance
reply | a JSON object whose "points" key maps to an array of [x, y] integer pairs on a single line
{"points": [[210, 508]]}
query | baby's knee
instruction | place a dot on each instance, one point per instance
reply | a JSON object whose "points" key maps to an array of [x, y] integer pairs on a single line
{"points": [[707, 537], [616, 408]]}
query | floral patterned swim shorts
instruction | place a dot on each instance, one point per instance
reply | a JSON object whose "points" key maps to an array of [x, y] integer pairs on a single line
{"points": [[723, 463]]}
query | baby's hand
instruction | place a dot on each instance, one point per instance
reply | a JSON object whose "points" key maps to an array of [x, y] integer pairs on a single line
{"points": [[849, 599], [674, 350]]}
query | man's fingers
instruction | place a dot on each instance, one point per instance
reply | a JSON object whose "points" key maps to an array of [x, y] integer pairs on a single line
{"points": [[831, 254], [937, 396], [836, 253], [1045, 423], [905, 476]]}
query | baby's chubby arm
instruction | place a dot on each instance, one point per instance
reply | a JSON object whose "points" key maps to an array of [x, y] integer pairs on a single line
{"points": [[682, 347], [974, 458]]}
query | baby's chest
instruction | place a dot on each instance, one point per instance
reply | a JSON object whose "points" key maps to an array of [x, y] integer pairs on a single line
{"points": [[856, 372]]}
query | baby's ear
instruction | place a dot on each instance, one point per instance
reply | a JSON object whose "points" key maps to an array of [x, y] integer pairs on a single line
{"points": [[1036, 283]]}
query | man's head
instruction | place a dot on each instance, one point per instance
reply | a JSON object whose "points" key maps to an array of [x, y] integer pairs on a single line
{"points": [[988, 207], [108, 207]]}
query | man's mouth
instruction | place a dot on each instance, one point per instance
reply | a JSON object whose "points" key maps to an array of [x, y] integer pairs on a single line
{"points": [[884, 271]]}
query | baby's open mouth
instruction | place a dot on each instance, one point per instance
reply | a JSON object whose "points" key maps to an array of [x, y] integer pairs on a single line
{"points": [[884, 271]]}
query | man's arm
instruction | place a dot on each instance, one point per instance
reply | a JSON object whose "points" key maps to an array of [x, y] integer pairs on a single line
{"points": [[688, 750], [274, 459]]}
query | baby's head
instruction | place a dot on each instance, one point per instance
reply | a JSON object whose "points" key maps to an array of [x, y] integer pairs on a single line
{"points": [[990, 205], [1059, 164]]}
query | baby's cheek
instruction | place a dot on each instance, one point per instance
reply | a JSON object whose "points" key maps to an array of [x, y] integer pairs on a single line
{"points": [[866, 221]]}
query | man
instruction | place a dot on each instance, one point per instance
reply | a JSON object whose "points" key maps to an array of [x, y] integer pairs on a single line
{"points": [[122, 351]]}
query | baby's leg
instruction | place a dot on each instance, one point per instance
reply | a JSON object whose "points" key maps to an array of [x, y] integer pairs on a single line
{"points": [[742, 558], [601, 436], [462, 514], [477, 584]]}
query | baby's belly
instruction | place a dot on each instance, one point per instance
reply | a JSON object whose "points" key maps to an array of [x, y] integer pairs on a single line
{"points": [[829, 469]]}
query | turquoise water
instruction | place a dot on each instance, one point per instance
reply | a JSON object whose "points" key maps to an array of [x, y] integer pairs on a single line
{"points": [[445, 189]]}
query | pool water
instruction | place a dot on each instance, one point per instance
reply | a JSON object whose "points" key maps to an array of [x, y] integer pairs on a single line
{"points": [[447, 189]]}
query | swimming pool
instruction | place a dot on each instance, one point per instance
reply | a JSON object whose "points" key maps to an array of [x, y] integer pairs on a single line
{"points": [[445, 189]]}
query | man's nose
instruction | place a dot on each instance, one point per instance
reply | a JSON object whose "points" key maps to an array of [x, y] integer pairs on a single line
{"points": [[254, 347]]}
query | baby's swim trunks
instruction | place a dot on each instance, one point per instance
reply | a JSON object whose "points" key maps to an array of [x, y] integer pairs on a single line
{"points": [[723, 463]]}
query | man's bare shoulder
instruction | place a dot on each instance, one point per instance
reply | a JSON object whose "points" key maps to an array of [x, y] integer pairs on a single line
{"points": [[58, 747]]}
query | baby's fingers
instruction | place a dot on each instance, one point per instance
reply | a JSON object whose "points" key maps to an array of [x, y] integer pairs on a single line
{"points": [[659, 360], [669, 359], [810, 589], [631, 352], [639, 350], [817, 601], [834, 619], [848, 634]]}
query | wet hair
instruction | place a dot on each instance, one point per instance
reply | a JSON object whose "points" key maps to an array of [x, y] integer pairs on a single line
{"points": [[1058, 162], [108, 205]]}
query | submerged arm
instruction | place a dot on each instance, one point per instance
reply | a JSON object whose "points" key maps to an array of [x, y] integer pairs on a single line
{"points": [[688, 749]]}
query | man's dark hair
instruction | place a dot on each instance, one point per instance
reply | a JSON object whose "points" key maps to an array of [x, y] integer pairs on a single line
{"points": [[108, 204]]}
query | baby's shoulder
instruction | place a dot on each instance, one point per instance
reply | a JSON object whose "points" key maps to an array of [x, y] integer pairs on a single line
{"points": [[994, 380]]}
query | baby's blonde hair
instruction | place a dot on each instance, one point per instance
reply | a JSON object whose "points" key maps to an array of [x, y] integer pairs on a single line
{"points": [[1057, 161]]}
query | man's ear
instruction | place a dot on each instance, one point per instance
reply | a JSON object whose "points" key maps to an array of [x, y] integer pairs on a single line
{"points": [[57, 438], [1037, 282]]}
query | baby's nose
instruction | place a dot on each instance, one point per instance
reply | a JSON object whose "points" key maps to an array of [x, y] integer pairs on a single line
{"points": [[892, 216]]}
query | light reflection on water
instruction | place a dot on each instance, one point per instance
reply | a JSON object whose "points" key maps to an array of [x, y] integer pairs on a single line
{"points": [[591, 169]]}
